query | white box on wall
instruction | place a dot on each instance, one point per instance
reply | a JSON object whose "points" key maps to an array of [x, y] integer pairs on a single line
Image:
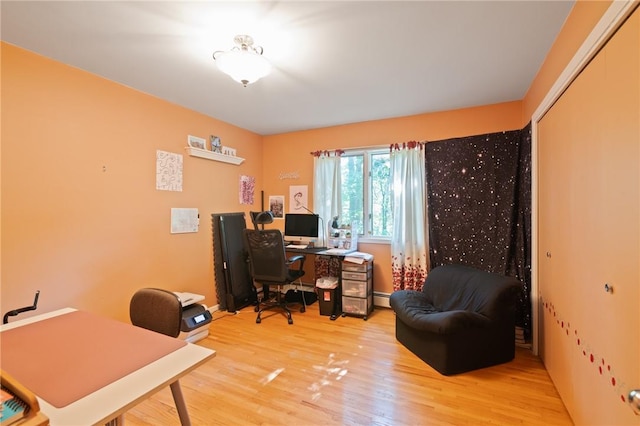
{"points": [[184, 220]]}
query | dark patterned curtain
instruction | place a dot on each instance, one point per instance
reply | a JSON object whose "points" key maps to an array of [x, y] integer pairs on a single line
{"points": [[479, 206]]}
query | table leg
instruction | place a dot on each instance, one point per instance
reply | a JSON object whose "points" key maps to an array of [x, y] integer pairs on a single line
{"points": [[180, 404], [118, 421]]}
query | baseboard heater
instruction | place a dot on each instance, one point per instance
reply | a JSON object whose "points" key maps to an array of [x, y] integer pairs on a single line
{"points": [[381, 299]]}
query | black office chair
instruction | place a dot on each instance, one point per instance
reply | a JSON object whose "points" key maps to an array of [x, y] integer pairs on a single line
{"points": [[259, 219], [270, 267]]}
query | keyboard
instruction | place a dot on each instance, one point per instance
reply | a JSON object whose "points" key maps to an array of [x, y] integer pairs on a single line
{"points": [[339, 252], [297, 246]]}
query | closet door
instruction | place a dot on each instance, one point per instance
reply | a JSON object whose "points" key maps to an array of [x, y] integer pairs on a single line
{"points": [[589, 235]]}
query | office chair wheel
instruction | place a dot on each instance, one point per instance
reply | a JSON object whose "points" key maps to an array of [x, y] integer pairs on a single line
{"points": [[302, 309], [258, 320], [290, 321]]}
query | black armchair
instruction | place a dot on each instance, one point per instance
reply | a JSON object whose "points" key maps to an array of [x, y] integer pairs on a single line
{"points": [[269, 266], [462, 320]]}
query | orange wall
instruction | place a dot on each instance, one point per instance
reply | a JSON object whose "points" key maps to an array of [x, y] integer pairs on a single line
{"points": [[290, 153], [588, 150], [89, 238], [81, 218], [100, 235], [584, 15], [589, 228]]}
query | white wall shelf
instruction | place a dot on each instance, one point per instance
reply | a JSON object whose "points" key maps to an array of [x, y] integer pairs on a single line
{"points": [[210, 155]]}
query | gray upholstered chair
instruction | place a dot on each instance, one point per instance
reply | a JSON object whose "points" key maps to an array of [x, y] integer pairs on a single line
{"points": [[161, 311], [157, 310]]}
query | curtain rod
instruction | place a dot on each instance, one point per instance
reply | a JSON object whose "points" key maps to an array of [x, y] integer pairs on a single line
{"points": [[359, 148], [364, 148]]}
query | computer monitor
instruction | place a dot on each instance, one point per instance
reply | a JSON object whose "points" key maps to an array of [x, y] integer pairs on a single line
{"points": [[300, 227]]}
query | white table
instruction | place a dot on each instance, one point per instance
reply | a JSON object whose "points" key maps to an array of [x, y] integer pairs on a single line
{"points": [[112, 401]]}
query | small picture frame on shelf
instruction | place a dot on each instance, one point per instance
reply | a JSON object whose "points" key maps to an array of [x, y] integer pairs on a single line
{"points": [[216, 144], [229, 151], [196, 142]]}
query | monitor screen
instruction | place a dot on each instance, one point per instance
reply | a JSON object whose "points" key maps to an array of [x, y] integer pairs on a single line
{"points": [[300, 227]]}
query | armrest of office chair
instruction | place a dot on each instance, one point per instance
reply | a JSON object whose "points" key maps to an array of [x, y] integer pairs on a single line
{"points": [[294, 259]]}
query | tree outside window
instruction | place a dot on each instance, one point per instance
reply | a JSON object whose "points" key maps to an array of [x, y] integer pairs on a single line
{"points": [[366, 192]]}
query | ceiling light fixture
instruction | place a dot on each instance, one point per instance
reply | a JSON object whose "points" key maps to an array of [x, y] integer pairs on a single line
{"points": [[244, 62]]}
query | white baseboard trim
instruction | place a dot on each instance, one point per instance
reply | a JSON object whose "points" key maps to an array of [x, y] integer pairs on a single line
{"points": [[379, 299]]}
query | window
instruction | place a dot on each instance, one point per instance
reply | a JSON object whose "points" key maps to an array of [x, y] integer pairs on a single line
{"points": [[366, 192]]}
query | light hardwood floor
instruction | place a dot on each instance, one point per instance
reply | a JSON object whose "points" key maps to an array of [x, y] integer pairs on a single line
{"points": [[344, 372]]}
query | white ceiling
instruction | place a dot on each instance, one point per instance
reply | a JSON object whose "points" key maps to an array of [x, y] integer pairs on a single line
{"points": [[335, 62]]}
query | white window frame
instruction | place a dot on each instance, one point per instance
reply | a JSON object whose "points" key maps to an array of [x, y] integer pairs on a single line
{"points": [[364, 234]]}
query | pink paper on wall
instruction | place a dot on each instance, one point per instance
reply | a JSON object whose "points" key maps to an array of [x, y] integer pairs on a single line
{"points": [[247, 188]]}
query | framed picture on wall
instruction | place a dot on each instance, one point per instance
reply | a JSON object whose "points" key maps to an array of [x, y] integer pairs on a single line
{"points": [[276, 206], [196, 142], [298, 198]]}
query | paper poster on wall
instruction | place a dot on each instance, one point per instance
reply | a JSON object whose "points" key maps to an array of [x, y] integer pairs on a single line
{"points": [[298, 198], [184, 220], [276, 206], [168, 171], [247, 188]]}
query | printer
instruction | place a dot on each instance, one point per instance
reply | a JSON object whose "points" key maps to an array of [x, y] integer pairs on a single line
{"points": [[195, 317]]}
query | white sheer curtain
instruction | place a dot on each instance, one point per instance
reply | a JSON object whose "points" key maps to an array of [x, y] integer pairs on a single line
{"points": [[409, 241], [327, 201]]}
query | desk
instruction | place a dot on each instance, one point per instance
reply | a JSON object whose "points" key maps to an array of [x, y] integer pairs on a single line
{"points": [[313, 270], [309, 278], [358, 296], [111, 401]]}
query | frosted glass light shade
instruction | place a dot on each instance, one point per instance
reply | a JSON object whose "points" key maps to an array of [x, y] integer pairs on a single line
{"points": [[243, 66]]}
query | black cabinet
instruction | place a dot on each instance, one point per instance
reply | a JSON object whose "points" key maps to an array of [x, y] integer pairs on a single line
{"points": [[234, 286]]}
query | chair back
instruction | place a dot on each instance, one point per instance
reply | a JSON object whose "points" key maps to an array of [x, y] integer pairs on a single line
{"points": [[261, 218], [157, 310], [460, 287], [267, 257]]}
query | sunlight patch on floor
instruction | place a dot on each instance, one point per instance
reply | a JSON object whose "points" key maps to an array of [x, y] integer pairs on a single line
{"points": [[269, 377], [332, 370]]}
